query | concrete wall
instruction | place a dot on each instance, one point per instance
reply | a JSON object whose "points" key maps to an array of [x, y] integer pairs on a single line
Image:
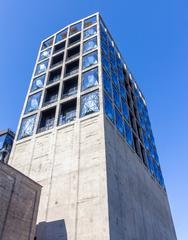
{"points": [[19, 200], [138, 206]]}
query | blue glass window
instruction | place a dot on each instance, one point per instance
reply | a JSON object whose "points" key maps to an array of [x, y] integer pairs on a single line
{"points": [[125, 110], [119, 122], [116, 98], [161, 179], [90, 32], [2, 141], [33, 102], [90, 79], [106, 64], [90, 44], [150, 164], [128, 134], [89, 60], [123, 92], [104, 48], [38, 83], [27, 127], [90, 21], [41, 67], [47, 43], [107, 83], [60, 36], [114, 79], [89, 103], [75, 28], [109, 110], [45, 54], [146, 142], [120, 75]]}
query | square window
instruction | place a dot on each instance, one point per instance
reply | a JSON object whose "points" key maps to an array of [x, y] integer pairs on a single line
{"points": [[109, 110], [128, 134], [41, 67], [51, 95], [90, 79], [67, 112], [47, 120], [73, 52], [90, 45], [38, 83], [33, 102], [70, 87], [71, 68], [54, 75], [89, 103], [47, 43], [75, 39], [119, 122], [58, 59], [90, 21], [90, 32], [60, 36], [116, 98], [107, 83], [27, 127], [45, 54], [90, 60], [75, 28], [59, 47]]}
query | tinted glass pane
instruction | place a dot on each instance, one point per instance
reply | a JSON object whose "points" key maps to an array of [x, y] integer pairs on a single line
{"points": [[27, 127], [106, 64], [47, 43], [108, 108], [107, 83], [104, 48], [90, 44], [89, 60], [88, 22], [75, 28], [116, 98], [60, 36], [90, 79], [2, 140], [114, 79], [119, 122], [123, 92], [41, 67], [125, 110], [128, 134], [45, 54], [33, 102], [38, 83], [90, 32], [89, 103]]}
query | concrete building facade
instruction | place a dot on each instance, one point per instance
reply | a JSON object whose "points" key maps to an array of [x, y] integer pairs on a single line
{"points": [[85, 136]]}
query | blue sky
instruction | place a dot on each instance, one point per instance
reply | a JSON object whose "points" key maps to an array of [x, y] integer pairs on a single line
{"points": [[151, 35]]}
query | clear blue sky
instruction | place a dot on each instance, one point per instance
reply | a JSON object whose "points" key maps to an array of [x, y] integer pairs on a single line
{"points": [[153, 38]]}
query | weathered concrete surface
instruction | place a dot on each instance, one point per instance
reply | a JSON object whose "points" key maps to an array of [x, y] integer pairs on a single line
{"points": [[19, 200], [138, 207]]}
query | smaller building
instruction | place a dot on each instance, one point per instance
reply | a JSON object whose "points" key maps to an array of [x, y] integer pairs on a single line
{"points": [[19, 200], [6, 142]]}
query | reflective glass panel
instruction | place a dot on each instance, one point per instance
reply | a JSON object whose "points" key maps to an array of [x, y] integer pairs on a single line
{"points": [[123, 92], [45, 54], [116, 98], [27, 127], [33, 102], [2, 140], [38, 83], [88, 22], [89, 103], [90, 44], [114, 79], [90, 32], [107, 83], [125, 110], [41, 67], [60, 36], [128, 134], [119, 122], [90, 79], [47, 43], [89, 60], [75, 28], [106, 64], [108, 108]]}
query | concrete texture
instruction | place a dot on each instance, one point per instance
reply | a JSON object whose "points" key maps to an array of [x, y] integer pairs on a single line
{"points": [[19, 200]]}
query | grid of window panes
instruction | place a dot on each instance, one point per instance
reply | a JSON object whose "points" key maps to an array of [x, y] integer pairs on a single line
{"points": [[54, 85], [125, 106]]}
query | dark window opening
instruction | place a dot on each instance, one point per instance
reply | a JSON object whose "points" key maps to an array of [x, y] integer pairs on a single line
{"points": [[129, 102], [143, 155], [70, 87], [56, 60], [136, 145], [132, 121], [54, 76], [73, 52], [51, 95], [71, 68], [47, 120], [67, 112], [59, 47], [74, 39]]}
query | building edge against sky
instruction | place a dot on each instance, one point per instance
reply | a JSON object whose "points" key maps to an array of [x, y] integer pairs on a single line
{"points": [[82, 97]]}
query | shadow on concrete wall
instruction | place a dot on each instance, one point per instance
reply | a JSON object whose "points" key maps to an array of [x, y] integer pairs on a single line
{"points": [[55, 230]]}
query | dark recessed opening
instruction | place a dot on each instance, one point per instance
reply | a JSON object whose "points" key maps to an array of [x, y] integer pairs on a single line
{"points": [[51, 95], [136, 144], [58, 59], [71, 68], [73, 52], [74, 39], [54, 75], [47, 120], [143, 155], [59, 47], [67, 112], [70, 87]]}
